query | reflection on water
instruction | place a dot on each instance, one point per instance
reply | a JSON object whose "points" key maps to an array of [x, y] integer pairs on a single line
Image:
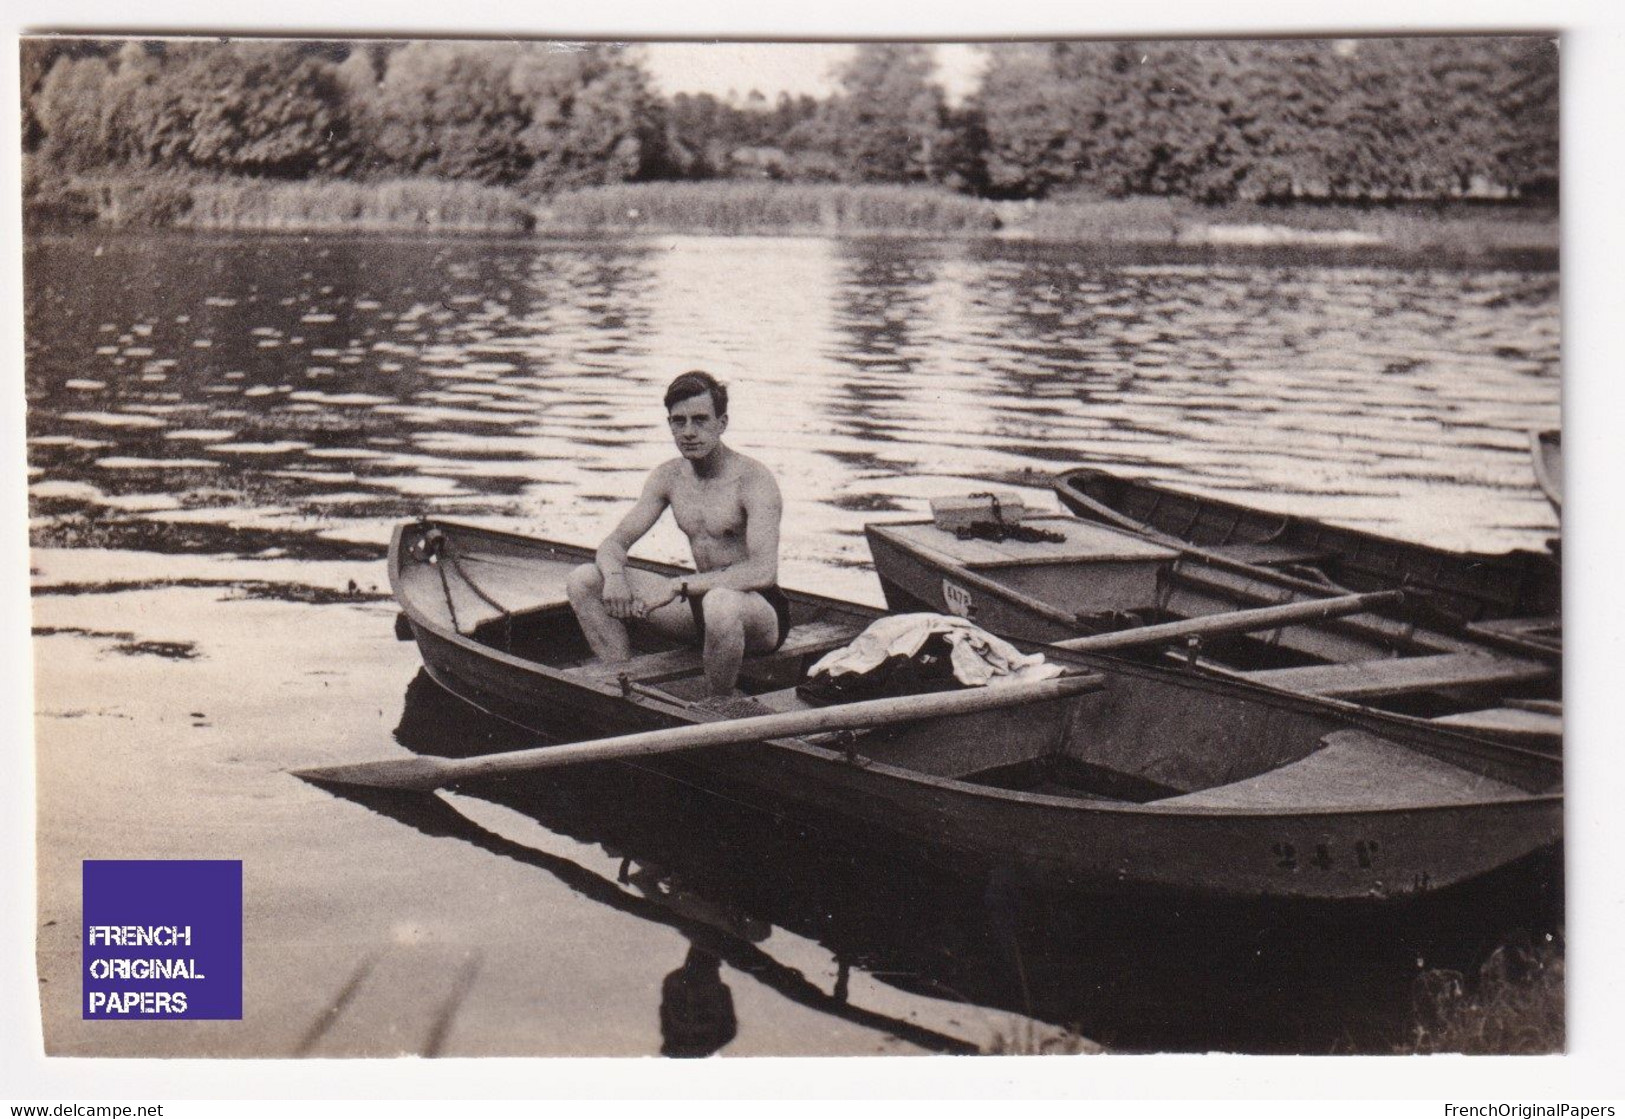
{"points": [[696, 1008], [331, 385]]}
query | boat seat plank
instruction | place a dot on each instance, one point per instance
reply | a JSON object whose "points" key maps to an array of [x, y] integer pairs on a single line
{"points": [[1353, 769], [1519, 626], [1507, 721], [1269, 554], [804, 639], [1402, 675], [1545, 632], [519, 588]]}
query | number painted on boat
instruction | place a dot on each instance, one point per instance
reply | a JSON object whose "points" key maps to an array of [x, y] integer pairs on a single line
{"points": [[957, 599], [1323, 857]]}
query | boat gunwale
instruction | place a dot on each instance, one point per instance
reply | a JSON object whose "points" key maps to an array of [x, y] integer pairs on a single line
{"points": [[1399, 734], [1065, 491]]}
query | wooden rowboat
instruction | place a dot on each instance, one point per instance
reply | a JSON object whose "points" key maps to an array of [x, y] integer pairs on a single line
{"points": [[1473, 587], [1138, 777], [1094, 577]]}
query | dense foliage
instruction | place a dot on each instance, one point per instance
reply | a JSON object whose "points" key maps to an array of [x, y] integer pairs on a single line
{"points": [[1262, 119], [1214, 121]]}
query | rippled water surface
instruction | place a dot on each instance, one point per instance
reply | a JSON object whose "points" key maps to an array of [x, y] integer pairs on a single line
{"points": [[274, 402], [331, 385]]}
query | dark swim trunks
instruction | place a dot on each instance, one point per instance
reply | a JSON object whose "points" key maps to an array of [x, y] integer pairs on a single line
{"points": [[775, 598]]}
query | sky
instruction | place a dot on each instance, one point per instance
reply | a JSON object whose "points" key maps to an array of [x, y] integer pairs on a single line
{"points": [[795, 68]]}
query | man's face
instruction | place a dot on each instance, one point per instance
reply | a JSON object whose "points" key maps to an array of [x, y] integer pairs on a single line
{"points": [[695, 426]]}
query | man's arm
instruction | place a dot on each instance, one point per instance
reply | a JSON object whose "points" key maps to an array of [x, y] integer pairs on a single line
{"points": [[611, 554]]}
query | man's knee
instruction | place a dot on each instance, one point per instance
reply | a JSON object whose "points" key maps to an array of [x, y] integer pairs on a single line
{"points": [[724, 611], [585, 585]]}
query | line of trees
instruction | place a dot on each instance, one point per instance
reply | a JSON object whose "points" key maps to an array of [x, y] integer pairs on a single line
{"points": [[1213, 121]]}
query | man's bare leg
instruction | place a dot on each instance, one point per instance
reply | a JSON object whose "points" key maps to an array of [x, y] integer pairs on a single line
{"points": [[735, 623], [606, 635]]}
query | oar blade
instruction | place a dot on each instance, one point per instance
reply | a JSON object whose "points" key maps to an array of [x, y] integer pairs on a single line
{"points": [[420, 774]]}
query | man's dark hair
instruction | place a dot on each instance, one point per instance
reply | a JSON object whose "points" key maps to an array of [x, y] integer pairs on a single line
{"points": [[695, 382]]}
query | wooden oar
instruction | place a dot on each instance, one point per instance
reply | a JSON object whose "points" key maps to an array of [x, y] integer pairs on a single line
{"points": [[1238, 621], [424, 773]]}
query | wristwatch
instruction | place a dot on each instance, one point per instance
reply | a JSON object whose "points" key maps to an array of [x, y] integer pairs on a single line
{"points": [[682, 590]]}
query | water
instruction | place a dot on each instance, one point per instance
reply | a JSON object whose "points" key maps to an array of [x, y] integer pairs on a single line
{"points": [[330, 386], [273, 405]]}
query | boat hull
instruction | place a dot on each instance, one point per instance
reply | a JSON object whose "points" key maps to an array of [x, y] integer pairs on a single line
{"points": [[1052, 841]]}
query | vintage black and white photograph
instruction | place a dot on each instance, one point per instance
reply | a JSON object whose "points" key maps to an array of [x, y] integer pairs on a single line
{"points": [[870, 548]]}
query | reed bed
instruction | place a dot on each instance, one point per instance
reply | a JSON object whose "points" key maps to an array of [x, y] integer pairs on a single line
{"points": [[395, 205], [1411, 227], [735, 208], [115, 200], [271, 205]]}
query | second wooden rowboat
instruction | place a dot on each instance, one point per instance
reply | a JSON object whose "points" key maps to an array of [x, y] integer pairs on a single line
{"points": [[1091, 578], [1471, 586]]}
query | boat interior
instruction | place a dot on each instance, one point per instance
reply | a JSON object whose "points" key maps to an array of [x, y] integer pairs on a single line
{"points": [[1505, 586], [1494, 677], [1140, 738]]}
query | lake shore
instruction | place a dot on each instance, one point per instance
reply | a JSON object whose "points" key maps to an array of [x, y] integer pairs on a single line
{"points": [[743, 208]]}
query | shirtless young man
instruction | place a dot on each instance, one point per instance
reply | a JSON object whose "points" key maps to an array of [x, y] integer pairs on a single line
{"points": [[728, 505]]}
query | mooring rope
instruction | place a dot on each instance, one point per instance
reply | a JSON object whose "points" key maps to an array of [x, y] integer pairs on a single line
{"points": [[448, 556], [436, 551]]}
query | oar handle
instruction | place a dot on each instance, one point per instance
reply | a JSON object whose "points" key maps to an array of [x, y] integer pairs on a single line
{"points": [[1239, 621]]}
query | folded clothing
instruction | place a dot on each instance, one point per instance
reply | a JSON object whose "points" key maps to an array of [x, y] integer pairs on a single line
{"points": [[977, 657]]}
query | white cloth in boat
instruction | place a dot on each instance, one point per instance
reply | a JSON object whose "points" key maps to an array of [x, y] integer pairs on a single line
{"points": [[978, 657]]}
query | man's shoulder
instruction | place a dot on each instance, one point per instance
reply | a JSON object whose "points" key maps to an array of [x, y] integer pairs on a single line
{"points": [[756, 474], [751, 467], [661, 481]]}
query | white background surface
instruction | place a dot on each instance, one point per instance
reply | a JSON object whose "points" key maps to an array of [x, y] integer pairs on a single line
{"points": [[1593, 60]]}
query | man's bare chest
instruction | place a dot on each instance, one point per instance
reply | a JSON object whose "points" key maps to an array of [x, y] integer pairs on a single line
{"points": [[714, 510]]}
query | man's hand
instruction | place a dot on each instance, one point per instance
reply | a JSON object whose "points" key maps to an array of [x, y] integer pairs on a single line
{"points": [[668, 592], [618, 598]]}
